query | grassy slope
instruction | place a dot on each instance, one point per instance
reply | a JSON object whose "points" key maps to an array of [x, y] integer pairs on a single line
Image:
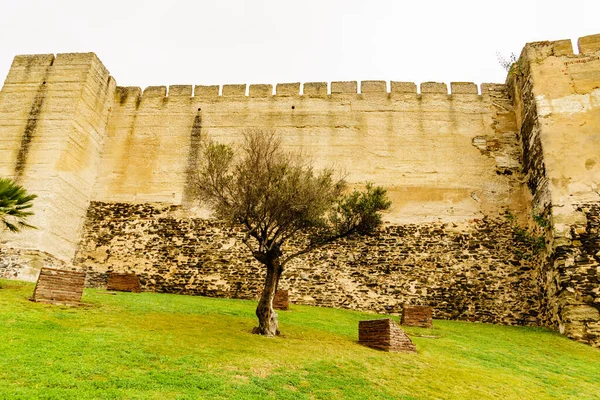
{"points": [[168, 346]]}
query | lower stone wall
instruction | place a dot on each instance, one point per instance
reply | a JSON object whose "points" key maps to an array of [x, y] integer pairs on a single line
{"points": [[25, 265], [573, 281], [477, 271]]}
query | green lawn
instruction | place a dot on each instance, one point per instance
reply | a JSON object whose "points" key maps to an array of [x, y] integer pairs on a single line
{"points": [[159, 346]]}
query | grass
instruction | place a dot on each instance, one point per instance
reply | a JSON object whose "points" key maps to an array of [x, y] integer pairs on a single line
{"points": [[159, 346]]}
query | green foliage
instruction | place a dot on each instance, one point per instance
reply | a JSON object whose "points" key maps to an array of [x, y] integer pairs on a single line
{"points": [[15, 205], [359, 211], [534, 243], [513, 65], [161, 346], [277, 196], [540, 220]]}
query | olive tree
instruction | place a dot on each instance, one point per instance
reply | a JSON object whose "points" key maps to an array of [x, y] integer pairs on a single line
{"points": [[277, 197]]}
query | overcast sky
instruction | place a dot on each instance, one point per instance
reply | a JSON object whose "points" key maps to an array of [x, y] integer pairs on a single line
{"points": [[164, 42]]}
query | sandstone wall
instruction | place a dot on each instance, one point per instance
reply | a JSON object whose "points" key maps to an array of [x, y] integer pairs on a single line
{"points": [[440, 155], [53, 113], [557, 104]]}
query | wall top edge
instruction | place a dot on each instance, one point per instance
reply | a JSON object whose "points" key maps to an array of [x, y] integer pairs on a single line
{"points": [[313, 89], [587, 45]]}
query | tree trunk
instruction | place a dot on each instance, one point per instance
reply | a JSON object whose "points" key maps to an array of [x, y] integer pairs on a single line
{"points": [[267, 317]]}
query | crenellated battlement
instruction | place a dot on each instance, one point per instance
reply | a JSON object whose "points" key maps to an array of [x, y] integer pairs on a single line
{"points": [[309, 89], [587, 46]]}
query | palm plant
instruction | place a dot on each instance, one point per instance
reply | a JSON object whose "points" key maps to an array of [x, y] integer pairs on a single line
{"points": [[15, 205]]}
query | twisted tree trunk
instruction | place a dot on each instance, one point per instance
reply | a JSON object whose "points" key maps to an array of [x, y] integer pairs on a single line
{"points": [[267, 317]]}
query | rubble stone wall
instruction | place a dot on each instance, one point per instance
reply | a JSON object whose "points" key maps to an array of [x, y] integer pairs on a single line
{"points": [[477, 271]]}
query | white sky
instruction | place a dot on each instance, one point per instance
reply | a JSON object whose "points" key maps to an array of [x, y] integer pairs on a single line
{"points": [[166, 42]]}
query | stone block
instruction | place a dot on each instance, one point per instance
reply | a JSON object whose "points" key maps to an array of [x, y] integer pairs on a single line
{"points": [[434, 87], [287, 89], [280, 301], [29, 60], [180, 91], [234, 90], [463, 88], [261, 90], [206, 91], [384, 334], [403, 87], [155, 91], [58, 286], [582, 312], [537, 51], [420, 316], [373, 87], [315, 88], [125, 94], [344, 87], [589, 44], [123, 282]]}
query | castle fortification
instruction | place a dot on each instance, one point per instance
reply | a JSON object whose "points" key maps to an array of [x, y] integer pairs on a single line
{"points": [[496, 205]]}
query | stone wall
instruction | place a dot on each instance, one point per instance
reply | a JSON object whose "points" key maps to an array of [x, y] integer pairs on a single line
{"points": [[557, 105], [439, 154], [25, 265], [477, 271], [70, 135], [53, 113]]}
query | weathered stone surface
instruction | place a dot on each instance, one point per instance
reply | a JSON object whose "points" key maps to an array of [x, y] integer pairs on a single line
{"points": [[25, 265], [53, 113], [384, 334], [477, 271], [288, 89], [463, 88], [260, 90], [420, 149], [434, 87], [373, 87], [344, 87], [556, 96], [234, 90], [420, 316], [403, 87], [57, 286]]}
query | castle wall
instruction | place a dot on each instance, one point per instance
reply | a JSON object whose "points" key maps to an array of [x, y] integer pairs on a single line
{"points": [[53, 113], [457, 164], [440, 155], [557, 104]]}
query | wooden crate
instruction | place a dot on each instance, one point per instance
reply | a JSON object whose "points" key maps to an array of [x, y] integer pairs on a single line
{"points": [[280, 301], [384, 334], [57, 286], [417, 316], [123, 282]]}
